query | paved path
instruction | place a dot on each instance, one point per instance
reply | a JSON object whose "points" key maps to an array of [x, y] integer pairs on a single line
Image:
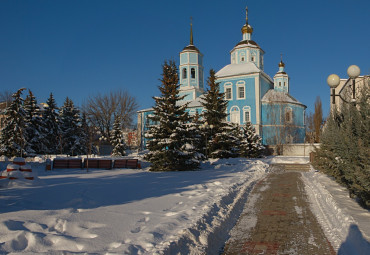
{"points": [[277, 220]]}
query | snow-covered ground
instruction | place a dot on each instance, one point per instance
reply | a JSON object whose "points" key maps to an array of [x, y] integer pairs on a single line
{"points": [[125, 211], [345, 223]]}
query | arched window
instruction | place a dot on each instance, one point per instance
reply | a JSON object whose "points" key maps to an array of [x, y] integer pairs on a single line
{"points": [[235, 115], [228, 90], [240, 86], [192, 73], [184, 74], [247, 114], [288, 115]]}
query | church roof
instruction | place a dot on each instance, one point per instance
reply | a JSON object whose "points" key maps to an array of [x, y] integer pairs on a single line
{"points": [[247, 43], [239, 69], [279, 96], [191, 47], [194, 103]]}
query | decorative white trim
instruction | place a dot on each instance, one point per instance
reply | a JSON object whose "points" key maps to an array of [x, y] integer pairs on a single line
{"points": [[235, 111], [257, 89], [246, 109], [240, 84], [228, 85], [288, 110]]}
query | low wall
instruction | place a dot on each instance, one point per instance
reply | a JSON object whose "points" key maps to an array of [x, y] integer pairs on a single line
{"points": [[295, 149]]}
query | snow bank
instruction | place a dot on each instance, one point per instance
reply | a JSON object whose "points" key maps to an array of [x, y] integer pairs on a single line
{"points": [[126, 211], [345, 223]]}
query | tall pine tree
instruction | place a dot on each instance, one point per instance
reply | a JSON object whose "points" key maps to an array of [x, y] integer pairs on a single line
{"points": [[12, 138], [117, 139], [51, 130], [220, 136], [34, 126], [169, 147], [70, 127]]}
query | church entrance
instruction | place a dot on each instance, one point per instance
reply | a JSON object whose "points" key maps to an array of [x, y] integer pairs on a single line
{"points": [[235, 115]]}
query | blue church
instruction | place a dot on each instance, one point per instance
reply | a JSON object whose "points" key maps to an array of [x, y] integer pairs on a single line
{"points": [[251, 93]]}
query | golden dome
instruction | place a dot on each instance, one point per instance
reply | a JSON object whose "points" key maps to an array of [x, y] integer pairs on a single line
{"points": [[247, 29], [281, 64]]}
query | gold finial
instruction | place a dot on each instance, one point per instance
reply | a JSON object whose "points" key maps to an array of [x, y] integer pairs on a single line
{"points": [[191, 30], [281, 64], [247, 28]]}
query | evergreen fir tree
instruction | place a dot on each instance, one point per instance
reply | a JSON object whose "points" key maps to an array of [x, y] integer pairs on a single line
{"points": [[51, 131], [70, 128], [250, 143], [169, 147], [196, 138], [117, 139], [33, 126], [12, 138], [344, 152], [221, 141]]}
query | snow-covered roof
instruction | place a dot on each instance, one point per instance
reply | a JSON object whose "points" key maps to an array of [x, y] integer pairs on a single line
{"points": [[279, 96], [240, 69], [193, 103]]}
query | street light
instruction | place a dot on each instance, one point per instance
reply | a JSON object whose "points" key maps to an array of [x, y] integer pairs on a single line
{"points": [[333, 81], [205, 127]]}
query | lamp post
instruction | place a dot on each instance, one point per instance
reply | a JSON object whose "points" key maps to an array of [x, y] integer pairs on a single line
{"points": [[204, 128], [333, 81]]}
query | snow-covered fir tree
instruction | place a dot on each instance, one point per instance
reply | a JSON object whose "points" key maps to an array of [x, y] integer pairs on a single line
{"points": [[196, 138], [12, 137], [50, 119], [220, 136], [117, 139], [169, 147], [70, 127], [34, 133], [250, 143]]}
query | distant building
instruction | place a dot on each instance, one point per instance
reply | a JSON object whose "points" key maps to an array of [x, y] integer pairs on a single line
{"points": [[344, 89], [252, 94]]}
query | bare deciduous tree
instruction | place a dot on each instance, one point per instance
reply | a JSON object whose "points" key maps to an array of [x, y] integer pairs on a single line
{"points": [[317, 119], [100, 110], [6, 96]]}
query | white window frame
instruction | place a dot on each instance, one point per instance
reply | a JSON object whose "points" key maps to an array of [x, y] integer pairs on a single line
{"points": [[228, 85], [289, 111], [237, 115], [245, 110], [240, 84], [242, 57]]}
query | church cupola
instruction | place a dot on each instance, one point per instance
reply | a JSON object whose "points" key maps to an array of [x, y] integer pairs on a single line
{"points": [[191, 70], [281, 79], [247, 50], [247, 30]]}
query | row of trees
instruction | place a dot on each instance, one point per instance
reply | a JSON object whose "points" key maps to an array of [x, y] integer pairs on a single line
{"points": [[29, 130], [345, 146], [179, 142]]}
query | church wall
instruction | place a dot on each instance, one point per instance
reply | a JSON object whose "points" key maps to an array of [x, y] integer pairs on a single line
{"points": [[265, 86], [276, 129], [240, 104]]}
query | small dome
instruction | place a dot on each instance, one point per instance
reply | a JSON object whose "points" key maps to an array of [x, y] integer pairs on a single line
{"points": [[281, 64], [247, 29]]}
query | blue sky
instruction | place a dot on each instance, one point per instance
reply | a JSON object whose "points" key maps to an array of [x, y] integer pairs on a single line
{"points": [[84, 47]]}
